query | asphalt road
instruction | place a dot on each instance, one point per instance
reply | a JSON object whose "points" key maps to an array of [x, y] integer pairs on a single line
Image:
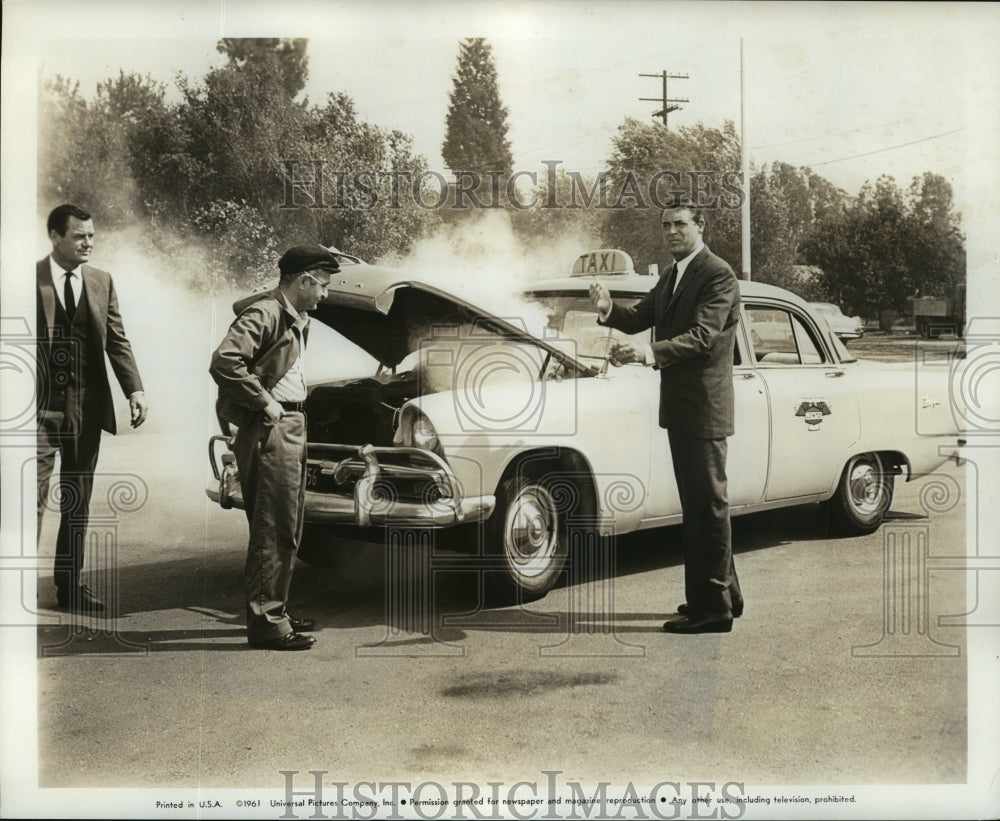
{"points": [[413, 678]]}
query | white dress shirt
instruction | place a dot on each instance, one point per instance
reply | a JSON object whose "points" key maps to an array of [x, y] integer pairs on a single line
{"points": [[682, 265], [59, 275]]}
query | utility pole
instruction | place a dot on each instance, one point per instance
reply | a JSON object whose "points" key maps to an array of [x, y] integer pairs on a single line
{"points": [[745, 167], [668, 104]]}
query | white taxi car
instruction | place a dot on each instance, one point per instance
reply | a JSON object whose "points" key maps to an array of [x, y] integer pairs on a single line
{"points": [[510, 427]]}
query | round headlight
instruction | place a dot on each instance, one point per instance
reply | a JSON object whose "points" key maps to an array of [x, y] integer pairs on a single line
{"points": [[422, 433]]}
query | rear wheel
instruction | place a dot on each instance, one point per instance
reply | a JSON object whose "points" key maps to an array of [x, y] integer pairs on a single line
{"points": [[526, 539], [863, 495]]}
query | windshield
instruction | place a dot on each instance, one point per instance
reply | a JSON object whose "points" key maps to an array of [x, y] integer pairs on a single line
{"points": [[574, 317]]}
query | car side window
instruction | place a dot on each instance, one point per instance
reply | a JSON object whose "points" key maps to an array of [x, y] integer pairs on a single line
{"points": [[780, 337]]}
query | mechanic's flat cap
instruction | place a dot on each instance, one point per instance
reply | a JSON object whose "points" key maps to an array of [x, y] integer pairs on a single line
{"points": [[307, 258]]}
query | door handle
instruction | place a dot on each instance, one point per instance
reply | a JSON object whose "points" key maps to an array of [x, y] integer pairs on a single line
{"points": [[834, 374]]}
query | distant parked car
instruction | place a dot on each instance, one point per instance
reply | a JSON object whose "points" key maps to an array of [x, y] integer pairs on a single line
{"points": [[846, 327]]}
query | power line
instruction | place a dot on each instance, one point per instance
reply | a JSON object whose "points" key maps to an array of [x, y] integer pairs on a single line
{"points": [[889, 148], [851, 131]]}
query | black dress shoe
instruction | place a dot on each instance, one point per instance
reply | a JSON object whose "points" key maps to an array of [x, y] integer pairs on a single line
{"points": [[711, 623], [300, 625], [289, 641], [684, 610], [80, 600]]}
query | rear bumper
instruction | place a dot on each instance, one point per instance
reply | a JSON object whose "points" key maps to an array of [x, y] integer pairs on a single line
{"points": [[370, 501], [954, 452]]}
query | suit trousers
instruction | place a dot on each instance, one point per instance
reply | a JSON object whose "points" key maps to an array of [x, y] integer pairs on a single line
{"points": [[271, 459], [77, 445], [710, 581]]}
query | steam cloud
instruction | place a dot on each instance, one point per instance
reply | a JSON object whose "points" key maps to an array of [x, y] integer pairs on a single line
{"points": [[175, 318]]}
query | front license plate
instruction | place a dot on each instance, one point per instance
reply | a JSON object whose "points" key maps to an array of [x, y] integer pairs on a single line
{"points": [[315, 479]]}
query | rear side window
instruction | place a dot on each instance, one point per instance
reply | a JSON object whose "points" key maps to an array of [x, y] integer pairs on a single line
{"points": [[780, 337]]}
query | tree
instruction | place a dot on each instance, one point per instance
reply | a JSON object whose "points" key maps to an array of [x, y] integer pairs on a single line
{"points": [[286, 58], [248, 135], [209, 172], [552, 211], [888, 245], [241, 124], [155, 144], [476, 123], [785, 204], [650, 163], [85, 149], [940, 259], [62, 119], [367, 210]]}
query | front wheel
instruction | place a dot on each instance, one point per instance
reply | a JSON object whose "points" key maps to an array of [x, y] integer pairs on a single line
{"points": [[863, 496], [526, 539]]}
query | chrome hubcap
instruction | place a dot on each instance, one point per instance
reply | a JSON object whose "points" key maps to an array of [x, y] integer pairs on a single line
{"points": [[866, 488], [531, 531]]}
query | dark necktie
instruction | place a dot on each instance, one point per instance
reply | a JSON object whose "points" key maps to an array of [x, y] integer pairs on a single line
{"points": [[672, 282], [69, 299]]}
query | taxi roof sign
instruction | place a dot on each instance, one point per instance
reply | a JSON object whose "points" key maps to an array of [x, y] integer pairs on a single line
{"points": [[605, 262]]}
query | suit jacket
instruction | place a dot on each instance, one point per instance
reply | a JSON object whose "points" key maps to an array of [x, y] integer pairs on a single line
{"points": [[105, 334], [694, 331], [256, 352]]}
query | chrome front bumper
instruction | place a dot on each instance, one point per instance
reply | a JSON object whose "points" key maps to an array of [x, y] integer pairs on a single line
{"points": [[373, 500]]}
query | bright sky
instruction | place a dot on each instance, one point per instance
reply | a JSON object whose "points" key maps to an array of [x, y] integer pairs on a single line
{"points": [[853, 92]]}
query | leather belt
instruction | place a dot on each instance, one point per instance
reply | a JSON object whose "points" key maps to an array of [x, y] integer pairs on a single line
{"points": [[294, 407]]}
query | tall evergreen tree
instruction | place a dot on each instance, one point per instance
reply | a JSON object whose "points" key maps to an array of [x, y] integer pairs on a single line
{"points": [[476, 125]]}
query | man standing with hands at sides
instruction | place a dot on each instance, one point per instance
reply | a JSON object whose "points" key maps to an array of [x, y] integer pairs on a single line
{"points": [[693, 309], [78, 323], [262, 390]]}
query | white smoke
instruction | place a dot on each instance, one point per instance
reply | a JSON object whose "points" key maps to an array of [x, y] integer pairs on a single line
{"points": [[483, 262], [175, 314]]}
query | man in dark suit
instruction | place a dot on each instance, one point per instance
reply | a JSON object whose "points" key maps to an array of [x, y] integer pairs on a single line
{"points": [[262, 390], [693, 309], [78, 323]]}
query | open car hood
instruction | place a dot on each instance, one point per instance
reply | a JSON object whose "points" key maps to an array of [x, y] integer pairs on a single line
{"points": [[389, 317]]}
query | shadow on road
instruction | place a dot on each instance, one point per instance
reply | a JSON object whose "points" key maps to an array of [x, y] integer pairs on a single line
{"points": [[421, 598]]}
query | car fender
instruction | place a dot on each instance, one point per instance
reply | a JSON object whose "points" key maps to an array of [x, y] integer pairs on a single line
{"points": [[483, 441]]}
